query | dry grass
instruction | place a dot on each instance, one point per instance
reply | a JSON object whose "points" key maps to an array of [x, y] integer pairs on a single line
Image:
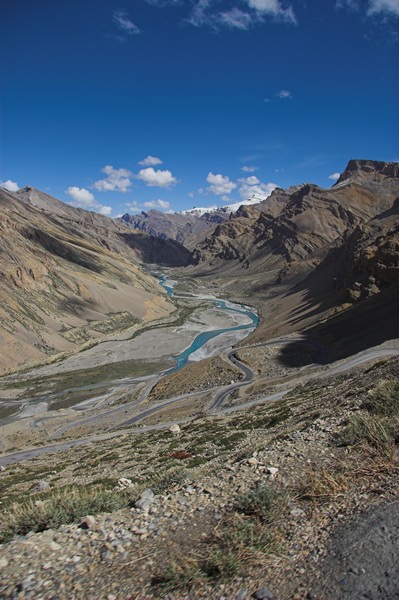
{"points": [[65, 505], [242, 539]]}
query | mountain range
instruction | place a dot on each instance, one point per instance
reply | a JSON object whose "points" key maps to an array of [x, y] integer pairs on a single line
{"points": [[322, 261], [69, 276]]}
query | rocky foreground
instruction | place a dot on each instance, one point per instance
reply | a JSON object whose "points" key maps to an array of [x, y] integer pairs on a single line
{"points": [[295, 499]]}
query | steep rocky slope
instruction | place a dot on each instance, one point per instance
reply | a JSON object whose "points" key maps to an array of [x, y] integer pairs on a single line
{"points": [[321, 254], [292, 231], [68, 276], [188, 228]]}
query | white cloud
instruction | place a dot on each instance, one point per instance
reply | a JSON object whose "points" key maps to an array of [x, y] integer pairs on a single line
{"points": [[220, 184], [283, 94], [249, 169], [384, 6], [236, 19], [374, 7], [83, 198], [123, 22], [152, 178], [248, 189], [252, 180], [10, 186], [158, 204], [117, 180], [104, 210], [273, 8], [334, 176], [198, 15], [150, 161]]}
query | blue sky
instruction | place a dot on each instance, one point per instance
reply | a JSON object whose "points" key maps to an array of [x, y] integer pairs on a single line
{"points": [[124, 105]]}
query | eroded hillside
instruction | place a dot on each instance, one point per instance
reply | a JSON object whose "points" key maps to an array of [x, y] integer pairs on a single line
{"points": [[69, 277]]}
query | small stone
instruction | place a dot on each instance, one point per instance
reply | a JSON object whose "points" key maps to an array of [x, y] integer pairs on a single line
{"points": [[2, 468], [297, 512], [263, 594], [242, 595], [89, 522], [273, 472], [253, 461], [124, 483], [175, 429], [54, 546], [148, 493], [42, 486], [3, 563]]}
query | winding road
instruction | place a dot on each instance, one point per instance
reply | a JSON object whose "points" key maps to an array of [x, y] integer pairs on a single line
{"points": [[216, 406]]}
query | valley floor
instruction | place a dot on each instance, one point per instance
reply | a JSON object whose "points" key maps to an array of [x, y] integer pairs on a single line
{"points": [[281, 479]]}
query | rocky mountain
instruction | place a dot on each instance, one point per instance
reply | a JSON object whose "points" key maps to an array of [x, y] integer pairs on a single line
{"points": [[69, 276], [324, 259], [187, 228], [291, 231]]}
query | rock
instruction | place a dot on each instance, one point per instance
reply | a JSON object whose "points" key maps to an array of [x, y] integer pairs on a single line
{"points": [[145, 500], [297, 512], [148, 494], [242, 595], [263, 594], [2, 468], [124, 483], [89, 522], [42, 486], [273, 472], [253, 461], [175, 429], [3, 563]]}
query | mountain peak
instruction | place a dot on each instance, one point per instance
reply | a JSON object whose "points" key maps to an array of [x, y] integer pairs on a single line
{"points": [[361, 169]]}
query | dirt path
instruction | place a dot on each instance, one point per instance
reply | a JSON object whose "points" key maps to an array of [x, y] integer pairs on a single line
{"points": [[363, 558]]}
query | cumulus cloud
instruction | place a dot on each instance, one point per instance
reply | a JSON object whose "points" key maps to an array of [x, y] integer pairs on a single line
{"points": [[10, 186], [152, 178], [284, 94], [158, 205], [123, 22], [251, 185], [150, 161], [104, 210], [249, 169], [334, 176], [80, 195], [220, 185], [252, 180], [117, 180], [83, 198]]}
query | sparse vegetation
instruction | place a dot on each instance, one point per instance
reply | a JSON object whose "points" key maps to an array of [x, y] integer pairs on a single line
{"points": [[243, 538], [59, 507], [378, 426]]}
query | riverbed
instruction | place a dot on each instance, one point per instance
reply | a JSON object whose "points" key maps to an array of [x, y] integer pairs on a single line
{"points": [[128, 359]]}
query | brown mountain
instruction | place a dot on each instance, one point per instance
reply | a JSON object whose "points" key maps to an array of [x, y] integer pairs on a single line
{"points": [[323, 254], [187, 228], [68, 276], [291, 231]]}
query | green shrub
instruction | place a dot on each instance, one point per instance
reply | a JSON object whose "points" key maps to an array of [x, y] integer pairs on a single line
{"points": [[264, 502]]}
